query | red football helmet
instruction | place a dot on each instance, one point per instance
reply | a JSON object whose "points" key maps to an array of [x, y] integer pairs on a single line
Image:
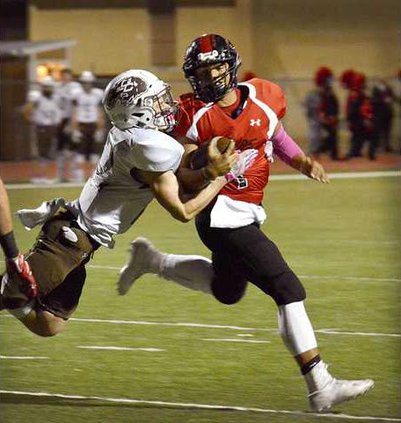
{"points": [[206, 50]]}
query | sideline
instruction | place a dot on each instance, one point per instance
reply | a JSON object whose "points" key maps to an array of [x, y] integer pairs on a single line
{"points": [[289, 177]]}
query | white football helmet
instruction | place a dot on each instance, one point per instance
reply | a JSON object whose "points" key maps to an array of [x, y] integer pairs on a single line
{"points": [[138, 99], [48, 82], [87, 76]]}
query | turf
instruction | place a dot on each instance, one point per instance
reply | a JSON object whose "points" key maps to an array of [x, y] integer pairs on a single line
{"points": [[343, 239]]}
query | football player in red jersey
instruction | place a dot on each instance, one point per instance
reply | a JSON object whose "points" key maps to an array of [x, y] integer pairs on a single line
{"points": [[250, 113]]}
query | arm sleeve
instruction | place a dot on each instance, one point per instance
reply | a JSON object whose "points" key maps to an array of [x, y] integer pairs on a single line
{"points": [[158, 152], [284, 146]]}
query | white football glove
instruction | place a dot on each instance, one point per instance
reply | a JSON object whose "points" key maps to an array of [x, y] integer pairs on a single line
{"points": [[244, 162]]}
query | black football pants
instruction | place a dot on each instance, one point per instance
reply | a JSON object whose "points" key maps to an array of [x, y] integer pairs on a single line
{"points": [[246, 254]]}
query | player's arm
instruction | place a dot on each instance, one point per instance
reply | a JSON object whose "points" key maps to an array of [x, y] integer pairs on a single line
{"points": [[76, 135], [5, 214], [290, 152], [15, 261], [74, 117], [166, 188]]}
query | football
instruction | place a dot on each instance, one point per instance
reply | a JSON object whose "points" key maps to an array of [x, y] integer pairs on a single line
{"points": [[199, 156]]}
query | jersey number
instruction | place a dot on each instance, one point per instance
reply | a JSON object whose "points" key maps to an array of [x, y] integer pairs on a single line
{"points": [[241, 182]]}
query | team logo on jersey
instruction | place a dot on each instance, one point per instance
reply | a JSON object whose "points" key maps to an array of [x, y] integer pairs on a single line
{"points": [[255, 122]]}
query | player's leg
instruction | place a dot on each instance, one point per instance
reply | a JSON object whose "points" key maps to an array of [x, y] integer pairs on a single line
{"points": [[221, 278], [191, 271], [263, 265], [57, 262], [229, 282], [39, 322], [48, 314]]}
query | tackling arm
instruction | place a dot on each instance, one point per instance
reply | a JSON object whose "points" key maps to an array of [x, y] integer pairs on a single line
{"points": [[196, 179], [5, 213], [167, 192]]}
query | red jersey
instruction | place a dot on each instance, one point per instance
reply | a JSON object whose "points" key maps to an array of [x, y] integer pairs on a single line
{"points": [[187, 107], [265, 105]]}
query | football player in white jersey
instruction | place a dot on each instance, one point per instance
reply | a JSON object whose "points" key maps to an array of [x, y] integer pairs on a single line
{"points": [[43, 111], [138, 164], [87, 124], [66, 91]]}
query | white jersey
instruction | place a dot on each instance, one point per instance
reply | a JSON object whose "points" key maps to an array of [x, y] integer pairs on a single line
{"points": [[65, 94], [87, 105], [113, 199], [46, 111]]}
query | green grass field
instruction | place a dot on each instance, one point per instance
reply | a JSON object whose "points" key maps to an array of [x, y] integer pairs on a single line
{"points": [[343, 239]]}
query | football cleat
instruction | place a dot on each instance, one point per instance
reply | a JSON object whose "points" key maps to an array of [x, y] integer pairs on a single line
{"points": [[338, 391], [139, 263]]}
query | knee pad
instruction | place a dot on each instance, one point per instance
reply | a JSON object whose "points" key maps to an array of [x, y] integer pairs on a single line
{"points": [[227, 296], [286, 288]]}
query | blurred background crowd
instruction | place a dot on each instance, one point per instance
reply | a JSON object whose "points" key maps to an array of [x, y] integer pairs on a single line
{"points": [[338, 64]]}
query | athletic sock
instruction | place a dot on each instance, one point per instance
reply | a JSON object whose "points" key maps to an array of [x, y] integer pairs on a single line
{"points": [[295, 328], [191, 271]]}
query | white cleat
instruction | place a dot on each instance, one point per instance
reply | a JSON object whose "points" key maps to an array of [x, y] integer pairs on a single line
{"points": [[138, 264], [337, 392]]}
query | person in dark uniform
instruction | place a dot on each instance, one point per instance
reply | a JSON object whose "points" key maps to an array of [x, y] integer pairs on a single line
{"points": [[327, 112]]}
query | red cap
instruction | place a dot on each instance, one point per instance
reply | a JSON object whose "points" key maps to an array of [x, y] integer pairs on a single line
{"points": [[346, 78], [358, 81]]}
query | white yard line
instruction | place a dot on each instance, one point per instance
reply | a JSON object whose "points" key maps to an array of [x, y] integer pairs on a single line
{"points": [[374, 334], [334, 277], [350, 278], [22, 357], [341, 175], [181, 405], [110, 348], [289, 177], [245, 341], [324, 331]]}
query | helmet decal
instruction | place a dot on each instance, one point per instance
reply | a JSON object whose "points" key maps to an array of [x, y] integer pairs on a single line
{"points": [[127, 90]]}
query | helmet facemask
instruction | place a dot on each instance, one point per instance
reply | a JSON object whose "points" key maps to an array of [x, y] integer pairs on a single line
{"points": [[210, 88], [163, 109], [209, 52]]}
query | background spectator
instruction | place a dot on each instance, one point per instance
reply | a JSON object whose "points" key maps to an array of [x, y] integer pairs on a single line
{"points": [[322, 114], [43, 111], [66, 91], [361, 118], [87, 123]]}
